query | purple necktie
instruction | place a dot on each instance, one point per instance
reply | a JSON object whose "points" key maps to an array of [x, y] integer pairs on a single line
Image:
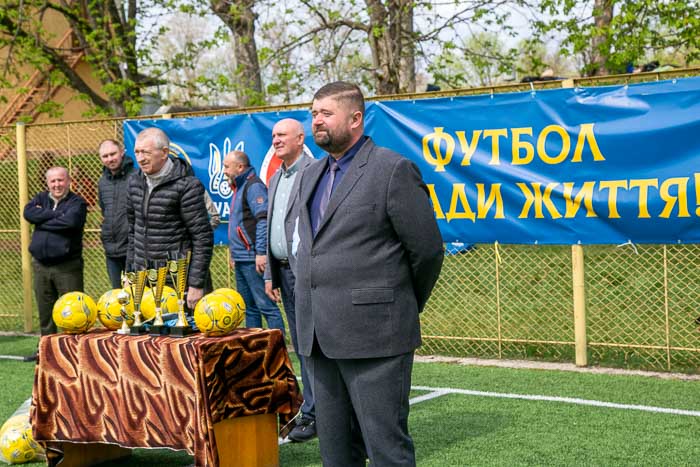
{"points": [[327, 190]]}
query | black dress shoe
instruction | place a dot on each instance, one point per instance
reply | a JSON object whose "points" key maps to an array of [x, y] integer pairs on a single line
{"points": [[305, 430], [30, 358]]}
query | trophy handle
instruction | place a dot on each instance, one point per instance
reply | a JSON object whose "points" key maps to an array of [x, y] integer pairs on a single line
{"points": [[181, 266], [156, 277]]}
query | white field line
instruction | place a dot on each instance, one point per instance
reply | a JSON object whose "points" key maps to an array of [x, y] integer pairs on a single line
{"points": [[437, 392], [11, 357]]}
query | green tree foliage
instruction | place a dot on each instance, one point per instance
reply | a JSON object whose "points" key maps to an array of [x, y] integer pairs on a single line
{"points": [[534, 58], [116, 38], [240, 17], [479, 60], [277, 51], [207, 78], [610, 35], [380, 43]]}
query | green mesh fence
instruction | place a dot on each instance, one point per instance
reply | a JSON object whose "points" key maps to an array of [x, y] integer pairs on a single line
{"points": [[491, 301]]}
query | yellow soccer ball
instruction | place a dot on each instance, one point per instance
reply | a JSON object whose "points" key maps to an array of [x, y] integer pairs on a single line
{"points": [[168, 302], [109, 310], [74, 312], [232, 294], [16, 441], [217, 314]]}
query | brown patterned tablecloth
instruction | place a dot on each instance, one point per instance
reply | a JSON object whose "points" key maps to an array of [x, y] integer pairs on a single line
{"points": [[141, 391]]}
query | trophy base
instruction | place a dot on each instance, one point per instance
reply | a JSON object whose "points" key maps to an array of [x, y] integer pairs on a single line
{"points": [[137, 331], [181, 331], [159, 331]]}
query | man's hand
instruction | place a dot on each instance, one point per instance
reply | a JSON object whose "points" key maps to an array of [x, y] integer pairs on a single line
{"points": [[193, 296], [260, 262], [274, 294]]}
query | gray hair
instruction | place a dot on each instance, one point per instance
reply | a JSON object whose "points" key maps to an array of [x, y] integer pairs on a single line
{"points": [[56, 169], [159, 137]]}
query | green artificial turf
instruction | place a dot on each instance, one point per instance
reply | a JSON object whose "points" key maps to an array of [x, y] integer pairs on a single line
{"points": [[459, 429]]}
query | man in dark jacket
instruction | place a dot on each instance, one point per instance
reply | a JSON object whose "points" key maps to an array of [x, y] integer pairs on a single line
{"points": [[112, 189], [247, 232], [369, 255], [58, 216], [166, 212]]}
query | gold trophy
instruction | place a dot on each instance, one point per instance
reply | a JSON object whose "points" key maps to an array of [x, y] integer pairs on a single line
{"points": [[124, 299], [178, 274], [157, 276], [137, 284]]}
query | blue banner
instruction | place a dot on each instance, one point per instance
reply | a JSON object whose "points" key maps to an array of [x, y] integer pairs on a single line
{"points": [[599, 165]]}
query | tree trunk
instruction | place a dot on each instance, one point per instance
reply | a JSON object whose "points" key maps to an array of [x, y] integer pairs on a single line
{"points": [[407, 70], [600, 48], [391, 40], [378, 37], [239, 17]]}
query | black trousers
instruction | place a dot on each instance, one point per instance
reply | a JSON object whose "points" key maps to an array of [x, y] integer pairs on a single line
{"points": [[369, 393], [308, 408], [50, 282]]}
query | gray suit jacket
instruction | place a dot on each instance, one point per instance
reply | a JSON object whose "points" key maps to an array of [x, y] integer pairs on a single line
{"points": [[364, 278], [272, 269]]}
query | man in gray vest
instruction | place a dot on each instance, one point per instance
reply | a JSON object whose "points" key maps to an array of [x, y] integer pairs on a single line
{"points": [[288, 141], [112, 195], [247, 233]]}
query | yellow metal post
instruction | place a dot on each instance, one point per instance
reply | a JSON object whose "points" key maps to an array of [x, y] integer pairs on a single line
{"points": [[579, 306], [23, 184], [580, 340]]}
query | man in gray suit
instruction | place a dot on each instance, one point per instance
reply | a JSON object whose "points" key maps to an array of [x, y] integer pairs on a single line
{"points": [[288, 141], [369, 255]]}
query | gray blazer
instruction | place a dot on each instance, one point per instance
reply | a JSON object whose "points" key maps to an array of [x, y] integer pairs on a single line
{"points": [[365, 277], [272, 269]]}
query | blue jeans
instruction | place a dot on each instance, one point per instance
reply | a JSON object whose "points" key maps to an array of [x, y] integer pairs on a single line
{"points": [[287, 287], [251, 286]]}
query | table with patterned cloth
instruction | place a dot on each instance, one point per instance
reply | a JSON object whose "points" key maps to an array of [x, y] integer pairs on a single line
{"points": [[155, 392]]}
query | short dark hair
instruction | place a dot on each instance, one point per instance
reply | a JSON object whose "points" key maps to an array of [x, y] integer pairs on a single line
{"points": [[349, 93], [110, 140], [241, 158]]}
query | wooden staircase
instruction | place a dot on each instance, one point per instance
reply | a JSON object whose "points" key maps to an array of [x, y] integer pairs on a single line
{"points": [[37, 89]]}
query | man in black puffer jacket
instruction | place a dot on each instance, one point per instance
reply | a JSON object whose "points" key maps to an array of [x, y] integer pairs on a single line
{"points": [[166, 212], [112, 191]]}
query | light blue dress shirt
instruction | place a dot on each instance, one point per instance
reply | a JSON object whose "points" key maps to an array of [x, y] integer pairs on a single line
{"points": [[278, 237]]}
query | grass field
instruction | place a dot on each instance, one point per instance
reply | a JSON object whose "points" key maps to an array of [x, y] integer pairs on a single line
{"points": [[483, 418]]}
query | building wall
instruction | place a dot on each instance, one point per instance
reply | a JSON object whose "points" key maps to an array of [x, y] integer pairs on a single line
{"points": [[73, 107]]}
